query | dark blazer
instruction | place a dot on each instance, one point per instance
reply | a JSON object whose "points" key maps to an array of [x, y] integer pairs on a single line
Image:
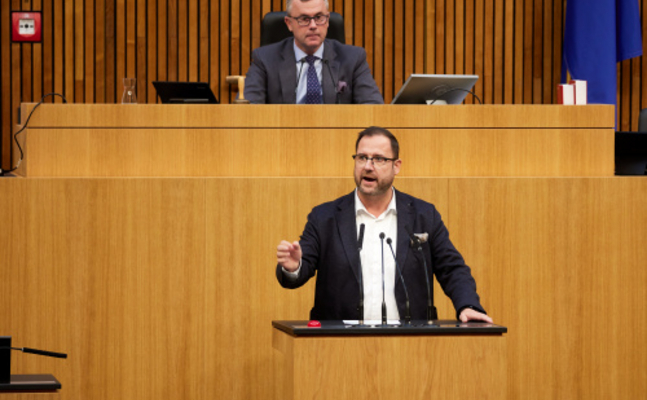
{"points": [[329, 244], [272, 76]]}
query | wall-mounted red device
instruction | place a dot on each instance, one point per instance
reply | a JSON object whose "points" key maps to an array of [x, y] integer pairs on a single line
{"points": [[26, 26]]}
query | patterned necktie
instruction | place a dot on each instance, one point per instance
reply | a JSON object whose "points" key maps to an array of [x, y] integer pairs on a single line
{"points": [[313, 91]]}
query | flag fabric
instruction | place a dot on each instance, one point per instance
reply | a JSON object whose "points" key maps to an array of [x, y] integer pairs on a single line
{"points": [[597, 35]]}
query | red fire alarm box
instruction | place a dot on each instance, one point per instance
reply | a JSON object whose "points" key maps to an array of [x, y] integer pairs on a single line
{"points": [[26, 26]]}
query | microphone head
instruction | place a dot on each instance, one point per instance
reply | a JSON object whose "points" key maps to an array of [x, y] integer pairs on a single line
{"points": [[382, 235], [388, 241]]}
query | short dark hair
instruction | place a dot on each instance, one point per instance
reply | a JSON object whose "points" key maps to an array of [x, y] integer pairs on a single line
{"points": [[376, 130]]}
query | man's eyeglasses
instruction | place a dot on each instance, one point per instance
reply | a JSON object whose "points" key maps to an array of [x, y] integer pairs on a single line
{"points": [[378, 161], [304, 20]]}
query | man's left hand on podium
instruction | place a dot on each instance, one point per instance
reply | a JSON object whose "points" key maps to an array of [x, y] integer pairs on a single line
{"points": [[469, 314]]}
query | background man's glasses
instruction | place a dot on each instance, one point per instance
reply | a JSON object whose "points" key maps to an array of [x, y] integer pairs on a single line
{"points": [[362, 159], [304, 20]]}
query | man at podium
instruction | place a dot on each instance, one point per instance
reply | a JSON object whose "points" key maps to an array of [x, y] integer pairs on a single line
{"points": [[352, 270]]}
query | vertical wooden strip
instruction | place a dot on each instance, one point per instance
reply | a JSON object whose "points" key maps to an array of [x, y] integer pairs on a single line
{"points": [[349, 18], [388, 51], [246, 35], [499, 65], [79, 51], [635, 94], [508, 54], [48, 49], [378, 45], [528, 20], [182, 41], [224, 35], [256, 18], [459, 40], [369, 35], [111, 51], [440, 37], [450, 33], [162, 41], [203, 43], [419, 37], [409, 38], [518, 51], [488, 52], [430, 36], [214, 50], [16, 79], [59, 50], [537, 68], [624, 106], [234, 63], [479, 43], [5, 87], [398, 40], [131, 39], [141, 44], [69, 51], [558, 35], [469, 43], [547, 69], [194, 38], [151, 44], [37, 57], [120, 48], [100, 52], [358, 31], [172, 42], [90, 57], [27, 62]]}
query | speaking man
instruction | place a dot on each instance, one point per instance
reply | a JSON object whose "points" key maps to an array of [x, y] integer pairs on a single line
{"points": [[329, 247], [308, 68]]}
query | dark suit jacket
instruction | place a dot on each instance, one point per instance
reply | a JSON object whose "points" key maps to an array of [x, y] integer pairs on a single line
{"points": [[272, 76], [329, 244]]}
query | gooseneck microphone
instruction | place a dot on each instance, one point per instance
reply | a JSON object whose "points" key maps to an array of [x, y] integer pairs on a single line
{"points": [[296, 89], [39, 352], [407, 317], [383, 295], [416, 244], [360, 243], [332, 78]]}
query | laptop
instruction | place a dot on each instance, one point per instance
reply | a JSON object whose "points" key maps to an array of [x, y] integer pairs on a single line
{"points": [[184, 93], [435, 89]]}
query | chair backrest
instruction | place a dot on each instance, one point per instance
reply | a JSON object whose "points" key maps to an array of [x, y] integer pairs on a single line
{"points": [[642, 120], [273, 28]]}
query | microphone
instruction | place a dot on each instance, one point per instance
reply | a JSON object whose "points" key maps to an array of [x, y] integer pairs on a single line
{"points": [[383, 295], [332, 78], [39, 352], [296, 89], [360, 243], [416, 244], [406, 292]]}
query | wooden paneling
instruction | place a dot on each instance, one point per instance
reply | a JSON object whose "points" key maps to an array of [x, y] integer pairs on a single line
{"points": [[90, 46], [165, 289], [203, 140]]}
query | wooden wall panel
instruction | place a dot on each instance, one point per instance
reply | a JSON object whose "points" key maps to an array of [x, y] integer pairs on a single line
{"points": [[89, 46]]}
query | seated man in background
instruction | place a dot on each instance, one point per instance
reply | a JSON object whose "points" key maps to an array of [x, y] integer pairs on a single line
{"points": [[308, 68]]}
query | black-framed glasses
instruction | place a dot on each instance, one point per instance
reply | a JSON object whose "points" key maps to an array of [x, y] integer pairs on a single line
{"points": [[378, 161], [304, 20]]}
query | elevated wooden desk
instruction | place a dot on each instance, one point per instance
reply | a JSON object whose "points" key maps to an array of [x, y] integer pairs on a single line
{"points": [[296, 140]]}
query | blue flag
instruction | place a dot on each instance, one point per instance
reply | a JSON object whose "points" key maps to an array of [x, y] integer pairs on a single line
{"points": [[597, 35]]}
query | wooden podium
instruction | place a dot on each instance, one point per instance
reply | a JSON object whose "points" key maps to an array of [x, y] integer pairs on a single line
{"points": [[336, 362]]}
